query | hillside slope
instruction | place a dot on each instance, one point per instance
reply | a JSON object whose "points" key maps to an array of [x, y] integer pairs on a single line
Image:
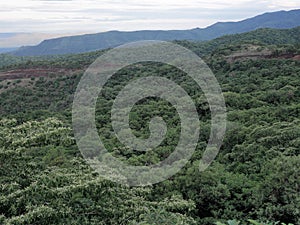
{"points": [[265, 36], [256, 174]]}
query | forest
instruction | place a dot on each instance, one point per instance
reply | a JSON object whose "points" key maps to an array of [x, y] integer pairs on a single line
{"points": [[255, 178]]}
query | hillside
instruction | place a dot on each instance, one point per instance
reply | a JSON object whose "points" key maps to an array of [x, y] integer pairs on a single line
{"points": [[44, 179], [91, 42], [256, 174], [263, 36]]}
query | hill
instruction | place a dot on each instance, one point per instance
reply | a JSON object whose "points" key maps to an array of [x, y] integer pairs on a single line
{"points": [[256, 174], [264, 36], [92, 42]]}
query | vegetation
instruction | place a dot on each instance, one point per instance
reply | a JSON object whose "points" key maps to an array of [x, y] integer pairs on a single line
{"points": [[44, 180]]}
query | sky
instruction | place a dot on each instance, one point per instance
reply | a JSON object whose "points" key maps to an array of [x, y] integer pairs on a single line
{"points": [[52, 18]]}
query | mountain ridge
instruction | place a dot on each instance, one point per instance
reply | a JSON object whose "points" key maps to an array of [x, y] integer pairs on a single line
{"points": [[110, 39]]}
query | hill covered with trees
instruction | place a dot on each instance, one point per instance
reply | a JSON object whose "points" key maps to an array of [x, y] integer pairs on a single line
{"points": [[44, 179]]}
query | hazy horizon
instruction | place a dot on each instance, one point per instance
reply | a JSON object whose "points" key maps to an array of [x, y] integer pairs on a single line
{"points": [[37, 20]]}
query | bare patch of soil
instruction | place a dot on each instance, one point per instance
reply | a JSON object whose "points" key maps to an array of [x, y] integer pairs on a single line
{"points": [[36, 72]]}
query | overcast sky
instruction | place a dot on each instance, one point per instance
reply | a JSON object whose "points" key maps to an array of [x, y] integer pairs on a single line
{"points": [[90, 16]]}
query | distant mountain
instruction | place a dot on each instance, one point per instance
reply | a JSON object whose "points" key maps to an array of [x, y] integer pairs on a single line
{"points": [[12, 40], [259, 37], [4, 50], [91, 42]]}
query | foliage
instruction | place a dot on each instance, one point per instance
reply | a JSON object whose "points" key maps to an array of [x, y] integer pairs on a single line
{"points": [[44, 180]]}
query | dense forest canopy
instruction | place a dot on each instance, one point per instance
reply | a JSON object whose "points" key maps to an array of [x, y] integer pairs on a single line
{"points": [[44, 179]]}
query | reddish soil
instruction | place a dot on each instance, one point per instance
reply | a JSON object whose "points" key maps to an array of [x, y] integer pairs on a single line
{"points": [[296, 57], [36, 72], [253, 55]]}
